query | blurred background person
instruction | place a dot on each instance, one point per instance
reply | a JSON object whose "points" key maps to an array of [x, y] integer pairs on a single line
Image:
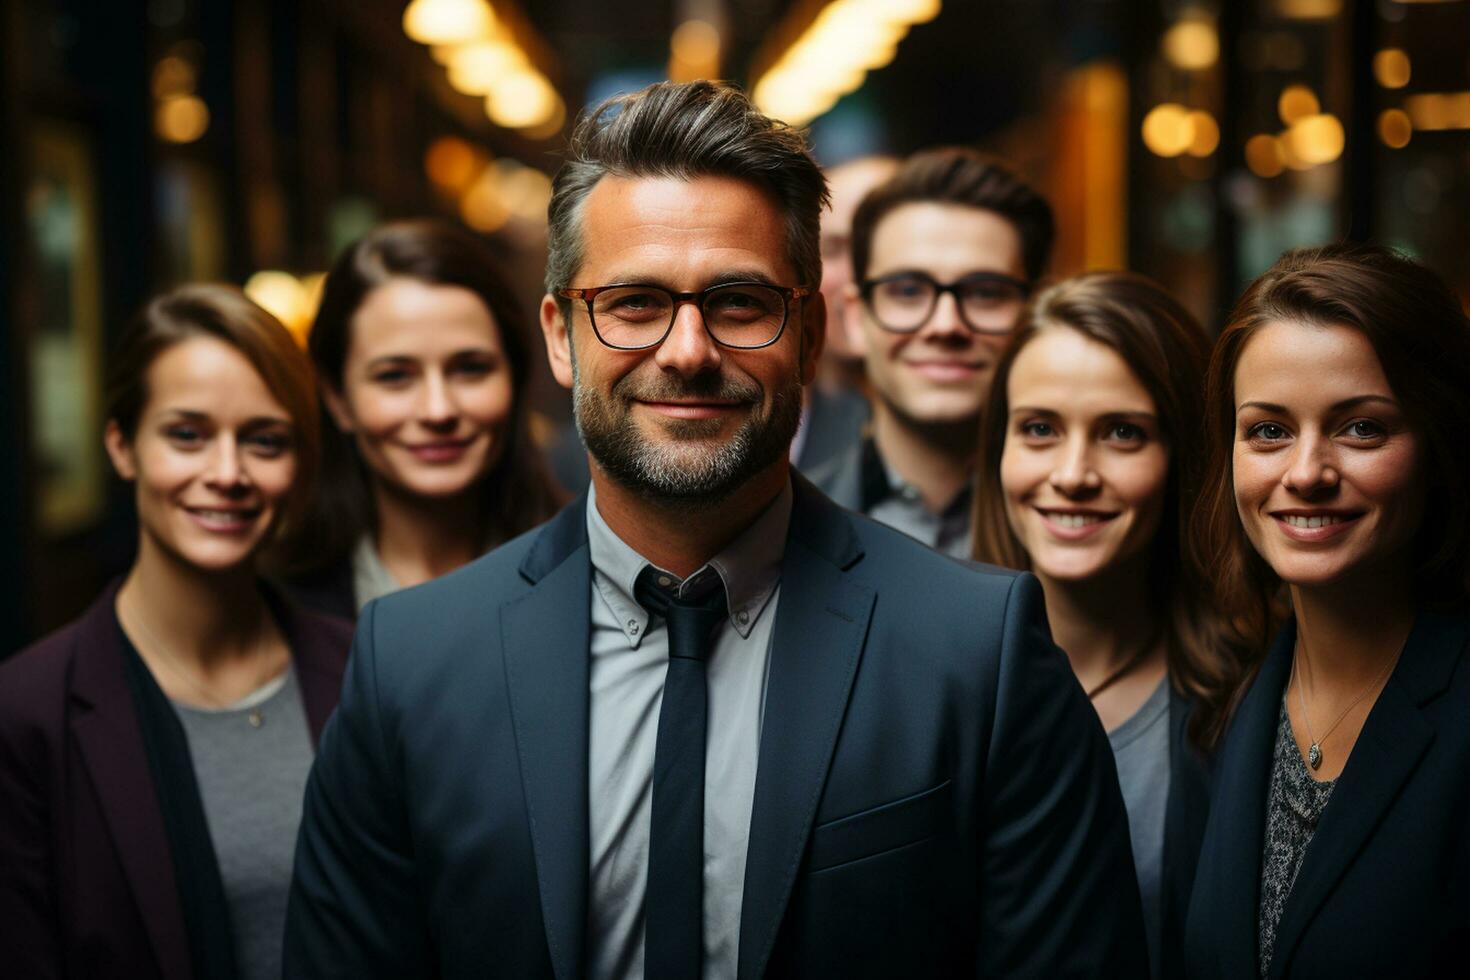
{"points": [[1088, 470], [1333, 514], [153, 754], [848, 183], [944, 255], [422, 357], [834, 409]]}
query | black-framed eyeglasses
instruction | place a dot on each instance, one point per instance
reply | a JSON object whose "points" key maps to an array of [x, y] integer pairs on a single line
{"points": [[633, 316], [988, 302]]}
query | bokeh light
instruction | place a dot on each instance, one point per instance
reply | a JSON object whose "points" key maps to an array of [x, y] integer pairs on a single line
{"points": [[1392, 68], [1205, 134], [1192, 44], [1297, 102], [1168, 130], [1316, 139], [1395, 128], [181, 118], [1263, 155], [447, 21]]}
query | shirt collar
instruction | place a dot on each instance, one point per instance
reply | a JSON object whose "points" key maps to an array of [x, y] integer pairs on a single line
{"points": [[749, 567], [881, 481]]}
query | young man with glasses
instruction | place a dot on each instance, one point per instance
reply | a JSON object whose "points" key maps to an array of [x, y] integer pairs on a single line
{"points": [[705, 723], [944, 256]]}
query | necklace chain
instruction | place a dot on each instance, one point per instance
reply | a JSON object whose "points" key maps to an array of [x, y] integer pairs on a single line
{"points": [[1314, 753], [175, 664]]}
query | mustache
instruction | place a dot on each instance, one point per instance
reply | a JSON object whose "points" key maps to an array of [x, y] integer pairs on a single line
{"points": [[669, 387]]}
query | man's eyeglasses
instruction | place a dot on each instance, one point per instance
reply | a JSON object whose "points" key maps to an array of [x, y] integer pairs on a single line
{"points": [[743, 315], [988, 302]]}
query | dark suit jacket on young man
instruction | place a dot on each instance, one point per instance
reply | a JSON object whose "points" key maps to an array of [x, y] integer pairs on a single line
{"points": [[1384, 885], [87, 886], [934, 794]]}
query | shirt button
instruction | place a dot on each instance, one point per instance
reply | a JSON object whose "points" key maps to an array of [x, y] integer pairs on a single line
{"points": [[665, 581], [633, 626], [742, 617]]}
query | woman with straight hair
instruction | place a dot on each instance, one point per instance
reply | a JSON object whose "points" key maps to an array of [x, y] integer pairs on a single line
{"points": [[1087, 473], [154, 753], [1333, 518], [423, 359]]}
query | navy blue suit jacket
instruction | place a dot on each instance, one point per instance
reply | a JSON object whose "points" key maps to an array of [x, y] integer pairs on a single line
{"points": [[934, 794], [1384, 886]]}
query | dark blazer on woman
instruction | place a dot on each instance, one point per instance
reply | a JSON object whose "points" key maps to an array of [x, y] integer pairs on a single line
{"points": [[1185, 812], [1384, 886], [87, 884]]}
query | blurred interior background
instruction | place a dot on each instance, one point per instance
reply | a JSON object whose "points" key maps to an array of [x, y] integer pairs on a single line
{"points": [[148, 142]]}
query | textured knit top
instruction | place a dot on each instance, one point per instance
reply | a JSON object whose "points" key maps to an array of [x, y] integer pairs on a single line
{"points": [[1292, 812]]}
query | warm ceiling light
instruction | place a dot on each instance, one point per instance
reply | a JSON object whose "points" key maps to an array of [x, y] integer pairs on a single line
{"points": [[1205, 137], [901, 11], [475, 69], [1192, 44], [1392, 68], [551, 127], [181, 119], [1395, 128], [1316, 139], [1263, 155], [1297, 102], [1168, 129], [832, 57], [521, 100], [447, 21], [1308, 9]]}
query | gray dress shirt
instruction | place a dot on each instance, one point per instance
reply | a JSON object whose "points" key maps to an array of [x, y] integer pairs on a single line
{"points": [[629, 658], [861, 480]]}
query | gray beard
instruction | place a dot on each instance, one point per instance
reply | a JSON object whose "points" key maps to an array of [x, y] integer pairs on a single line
{"points": [[686, 472]]}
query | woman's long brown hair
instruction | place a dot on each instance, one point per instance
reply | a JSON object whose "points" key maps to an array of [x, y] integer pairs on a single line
{"points": [[1422, 339], [1166, 349]]}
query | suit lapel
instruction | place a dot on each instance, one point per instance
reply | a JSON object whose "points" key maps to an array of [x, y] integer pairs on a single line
{"points": [[546, 636], [1242, 783], [821, 621], [109, 737], [1394, 739]]}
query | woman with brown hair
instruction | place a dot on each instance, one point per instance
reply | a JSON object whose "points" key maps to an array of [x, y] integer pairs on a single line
{"points": [[154, 753], [423, 360], [1337, 412], [1085, 479]]}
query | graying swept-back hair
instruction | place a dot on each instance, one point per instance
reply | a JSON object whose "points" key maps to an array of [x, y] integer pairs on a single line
{"points": [[695, 129]]}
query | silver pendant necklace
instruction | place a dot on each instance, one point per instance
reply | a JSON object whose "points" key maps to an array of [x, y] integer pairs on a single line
{"points": [[1314, 750]]}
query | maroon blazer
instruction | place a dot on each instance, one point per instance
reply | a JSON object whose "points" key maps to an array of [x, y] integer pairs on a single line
{"points": [[86, 877]]}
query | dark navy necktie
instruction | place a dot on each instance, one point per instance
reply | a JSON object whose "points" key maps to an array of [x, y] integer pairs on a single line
{"points": [[674, 904]]}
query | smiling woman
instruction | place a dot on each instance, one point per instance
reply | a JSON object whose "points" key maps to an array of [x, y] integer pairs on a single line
{"points": [[1337, 403], [1086, 477], [153, 753], [422, 358]]}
